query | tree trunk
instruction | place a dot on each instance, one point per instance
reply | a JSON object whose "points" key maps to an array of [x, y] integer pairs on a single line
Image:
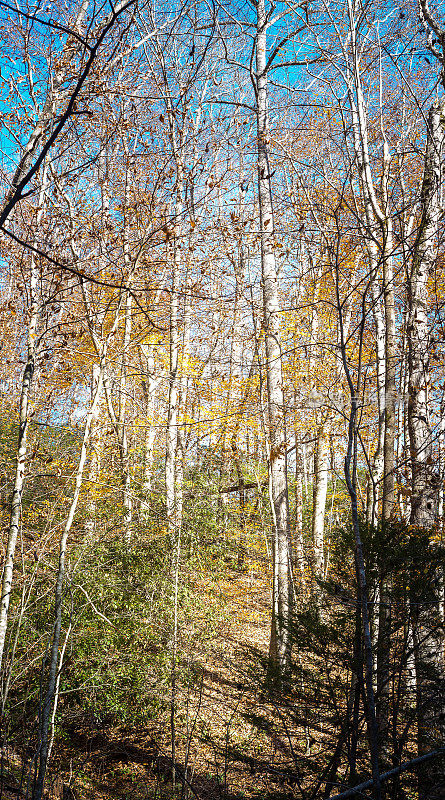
{"points": [[375, 483], [182, 402], [22, 449], [280, 642], [122, 426], [45, 715], [388, 495], [427, 625], [22, 444], [390, 353], [118, 420], [173, 403], [320, 494], [234, 394], [299, 541], [174, 387], [424, 497], [377, 224], [94, 470], [149, 385], [351, 483]]}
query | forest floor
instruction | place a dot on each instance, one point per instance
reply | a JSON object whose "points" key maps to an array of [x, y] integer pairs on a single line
{"points": [[226, 745]]}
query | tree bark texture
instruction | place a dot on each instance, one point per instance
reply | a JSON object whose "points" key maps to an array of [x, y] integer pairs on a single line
{"points": [[171, 475], [299, 541], [22, 444], [424, 496], [320, 494], [428, 633], [280, 646]]}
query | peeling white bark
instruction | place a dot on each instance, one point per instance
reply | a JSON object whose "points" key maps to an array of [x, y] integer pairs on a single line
{"points": [[280, 644], [320, 495], [428, 633]]}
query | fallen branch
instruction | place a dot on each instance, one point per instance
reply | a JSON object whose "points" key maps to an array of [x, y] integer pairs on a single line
{"points": [[386, 775], [236, 487]]}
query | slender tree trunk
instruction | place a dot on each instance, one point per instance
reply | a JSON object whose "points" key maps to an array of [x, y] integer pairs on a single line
{"points": [[403, 390], [118, 419], [94, 470], [428, 632], [377, 225], [350, 475], [22, 444], [390, 381], [234, 395], [280, 643], [320, 494], [375, 484], [424, 497], [149, 385], [299, 541], [122, 426], [45, 716], [173, 403], [183, 397], [388, 499], [174, 387], [440, 509], [22, 449]]}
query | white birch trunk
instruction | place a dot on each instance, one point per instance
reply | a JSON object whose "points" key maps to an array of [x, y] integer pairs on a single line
{"points": [[299, 542], [54, 657], [424, 495], [440, 509], [94, 470], [173, 403], [122, 427], [377, 461], [22, 449], [22, 445], [280, 643], [320, 495], [377, 218], [174, 388], [182, 428], [428, 631], [149, 385], [44, 120]]}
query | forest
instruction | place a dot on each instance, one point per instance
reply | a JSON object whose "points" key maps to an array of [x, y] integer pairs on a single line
{"points": [[222, 400]]}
